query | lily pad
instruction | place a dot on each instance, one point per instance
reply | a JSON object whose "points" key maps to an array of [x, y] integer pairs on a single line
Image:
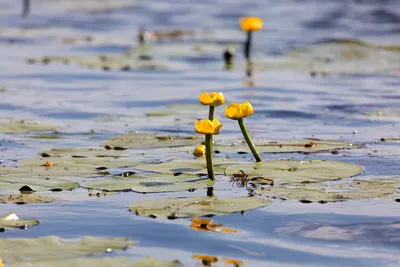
{"points": [[81, 153], [197, 166], [27, 184], [355, 190], [11, 220], [150, 183], [20, 250], [25, 198], [290, 146], [141, 140], [23, 126], [195, 206], [390, 139], [295, 171]]}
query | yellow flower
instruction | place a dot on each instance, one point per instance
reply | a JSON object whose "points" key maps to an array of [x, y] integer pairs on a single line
{"points": [[237, 111], [207, 127], [48, 164], [199, 151], [212, 99], [251, 24]]}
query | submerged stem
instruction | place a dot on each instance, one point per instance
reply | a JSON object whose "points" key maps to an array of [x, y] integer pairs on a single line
{"points": [[249, 141], [247, 46]]}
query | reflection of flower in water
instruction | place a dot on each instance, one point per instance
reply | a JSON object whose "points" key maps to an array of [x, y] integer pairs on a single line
{"points": [[207, 260], [206, 225]]}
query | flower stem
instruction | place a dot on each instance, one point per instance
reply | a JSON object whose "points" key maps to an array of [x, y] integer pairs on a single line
{"points": [[248, 140], [210, 167], [209, 140], [211, 113]]}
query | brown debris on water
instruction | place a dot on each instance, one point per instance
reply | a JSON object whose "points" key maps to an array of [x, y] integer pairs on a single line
{"points": [[25, 199]]}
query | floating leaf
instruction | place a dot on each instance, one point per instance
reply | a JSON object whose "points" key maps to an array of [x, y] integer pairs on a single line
{"points": [[25, 198], [20, 250], [150, 183], [81, 153], [197, 166], [23, 126], [385, 114], [11, 220], [27, 184], [46, 137], [195, 206], [142, 140], [390, 139], [321, 193], [295, 171], [290, 146]]}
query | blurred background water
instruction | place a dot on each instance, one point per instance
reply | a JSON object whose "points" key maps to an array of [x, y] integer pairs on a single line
{"points": [[324, 69]]}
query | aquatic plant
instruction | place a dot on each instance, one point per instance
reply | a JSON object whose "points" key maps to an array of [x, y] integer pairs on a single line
{"points": [[199, 151], [250, 24], [210, 126], [237, 112]]}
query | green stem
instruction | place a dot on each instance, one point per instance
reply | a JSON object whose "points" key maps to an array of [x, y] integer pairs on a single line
{"points": [[210, 167], [211, 113], [248, 140]]}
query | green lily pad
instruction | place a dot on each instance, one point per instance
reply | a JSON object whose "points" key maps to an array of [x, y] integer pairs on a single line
{"points": [[23, 126], [81, 153], [179, 110], [11, 220], [194, 166], [290, 146], [25, 198], [295, 171], [390, 139], [355, 190], [98, 262], [79, 166], [20, 250], [195, 206], [27, 184], [150, 183], [141, 140]]}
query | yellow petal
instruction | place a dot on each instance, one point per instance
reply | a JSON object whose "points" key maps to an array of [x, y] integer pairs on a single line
{"points": [[233, 111], [205, 99], [204, 127], [251, 24], [246, 109]]}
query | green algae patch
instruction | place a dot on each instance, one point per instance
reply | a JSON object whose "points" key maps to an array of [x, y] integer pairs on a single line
{"points": [[11, 220], [20, 251], [149, 183], [142, 140], [355, 190], [290, 146], [173, 208], [23, 126], [194, 166], [295, 171], [25, 199]]}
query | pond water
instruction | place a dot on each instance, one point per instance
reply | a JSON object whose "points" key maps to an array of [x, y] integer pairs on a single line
{"points": [[310, 79]]}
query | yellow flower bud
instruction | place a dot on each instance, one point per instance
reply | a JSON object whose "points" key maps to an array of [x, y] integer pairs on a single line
{"points": [[212, 99], [199, 151], [207, 126], [48, 164], [237, 111], [251, 24]]}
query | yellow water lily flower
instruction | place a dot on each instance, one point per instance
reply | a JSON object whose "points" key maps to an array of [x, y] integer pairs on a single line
{"points": [[199, 151], [238, 111], [212, 99], [251, 24], [207, 126]]}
